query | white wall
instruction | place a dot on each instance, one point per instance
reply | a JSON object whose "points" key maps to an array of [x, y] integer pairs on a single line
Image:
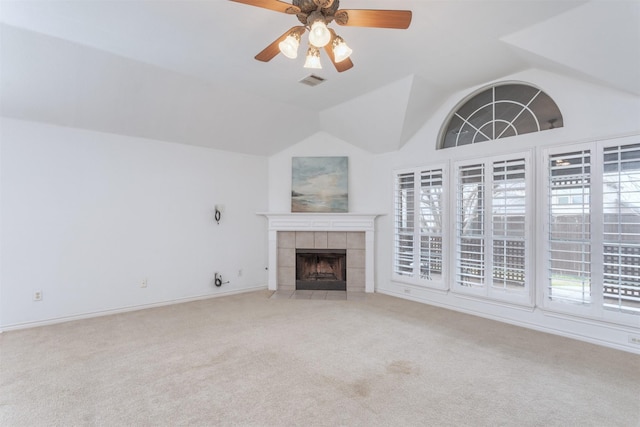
{"points": [[590, 112], [322, 144], [86, 216]]}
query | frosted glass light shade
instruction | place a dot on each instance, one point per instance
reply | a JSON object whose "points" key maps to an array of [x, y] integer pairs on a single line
{"points": [[340, 49], [313, 58], [319, 35], [289, 46]]}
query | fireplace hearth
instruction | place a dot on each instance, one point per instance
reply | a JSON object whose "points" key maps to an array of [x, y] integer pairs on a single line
{"points": [[321, 269]]}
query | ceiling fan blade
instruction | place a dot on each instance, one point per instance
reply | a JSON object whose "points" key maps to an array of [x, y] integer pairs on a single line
{"points": [[374, 18], [269, 52], [341, 66], [278, 6]]}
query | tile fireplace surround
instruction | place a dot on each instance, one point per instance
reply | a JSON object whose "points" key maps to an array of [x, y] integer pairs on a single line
{"points": [[350, 231]]}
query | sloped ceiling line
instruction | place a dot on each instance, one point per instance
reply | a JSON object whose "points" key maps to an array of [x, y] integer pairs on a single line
{"points": [[63, 63]]}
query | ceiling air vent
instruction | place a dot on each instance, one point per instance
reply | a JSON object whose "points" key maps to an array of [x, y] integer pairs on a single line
{"points": [[312, 80]]}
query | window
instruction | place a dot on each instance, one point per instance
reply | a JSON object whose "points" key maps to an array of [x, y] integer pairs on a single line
{"points": [[509, 221], [569, 230], [419, 226], [593, 247], [580, 244], [500, 111], [430, 208], [493, 210], [470, 226], [404, 213], [621, 231]]}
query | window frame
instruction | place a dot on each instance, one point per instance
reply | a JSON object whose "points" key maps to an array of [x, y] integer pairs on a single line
{"points": [[526, 296], [416, 279], [555, 120], [595, 310]]}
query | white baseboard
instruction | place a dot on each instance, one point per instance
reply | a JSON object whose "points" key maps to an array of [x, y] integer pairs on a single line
{"points": [[89, 315], [516, 322]]}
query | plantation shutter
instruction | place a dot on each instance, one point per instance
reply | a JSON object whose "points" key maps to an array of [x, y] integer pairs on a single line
{"points": [[470, 251], [509, 213], [569, 250], [621, 231], [404, 224], [431, 209]]}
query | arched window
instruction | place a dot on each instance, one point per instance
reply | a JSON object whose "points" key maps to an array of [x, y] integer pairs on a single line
{"points": [[500, 111]]}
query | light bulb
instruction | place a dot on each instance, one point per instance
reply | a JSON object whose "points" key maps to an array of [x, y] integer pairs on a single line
{"points": [[313, 58], [319, 34], [289, 46], [340, 49]]}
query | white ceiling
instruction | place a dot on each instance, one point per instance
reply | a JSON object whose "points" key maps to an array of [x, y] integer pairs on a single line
{"points": [[183, 70]]}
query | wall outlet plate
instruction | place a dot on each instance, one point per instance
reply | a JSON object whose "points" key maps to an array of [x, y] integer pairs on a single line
{"points": [[37, 295]]}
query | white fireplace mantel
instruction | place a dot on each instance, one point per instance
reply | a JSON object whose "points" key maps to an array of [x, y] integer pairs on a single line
{"points": [[321, 222]]}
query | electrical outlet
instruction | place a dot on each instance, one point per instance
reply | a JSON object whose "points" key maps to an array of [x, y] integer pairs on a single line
{"points": [[143, 284], [240, 273], [634, 339], [37, 295]]}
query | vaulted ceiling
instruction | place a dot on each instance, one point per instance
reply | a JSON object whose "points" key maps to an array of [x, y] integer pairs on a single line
{"points": [[183, 70]]}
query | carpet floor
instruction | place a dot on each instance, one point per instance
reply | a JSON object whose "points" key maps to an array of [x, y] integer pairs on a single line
{"points": [[251, 360]]}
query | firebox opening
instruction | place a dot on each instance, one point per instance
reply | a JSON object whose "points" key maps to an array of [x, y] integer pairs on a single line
{"points": [[321, 269]]}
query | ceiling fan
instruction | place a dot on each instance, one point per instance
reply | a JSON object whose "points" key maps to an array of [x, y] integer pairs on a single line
{"points": [[315, 15]]}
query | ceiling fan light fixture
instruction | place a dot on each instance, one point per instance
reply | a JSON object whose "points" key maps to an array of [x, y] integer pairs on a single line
{"points": [[289, 46], [315, 16], [340, 49], [319, 34], [313, 58]]}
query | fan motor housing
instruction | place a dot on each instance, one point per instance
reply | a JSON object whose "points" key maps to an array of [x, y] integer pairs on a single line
{"points": [[328, 7]]}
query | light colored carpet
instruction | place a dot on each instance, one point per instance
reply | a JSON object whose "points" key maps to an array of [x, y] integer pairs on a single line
{"points": [[250, 360]]}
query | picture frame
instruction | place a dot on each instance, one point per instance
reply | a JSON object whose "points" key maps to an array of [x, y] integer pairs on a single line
{"points": [[320, 184]]}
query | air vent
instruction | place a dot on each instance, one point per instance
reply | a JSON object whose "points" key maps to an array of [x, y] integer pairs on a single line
{"points": [[312, 80]]}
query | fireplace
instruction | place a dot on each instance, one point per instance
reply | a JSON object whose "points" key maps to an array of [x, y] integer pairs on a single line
{"points": [[321, 269], [352, 232]]}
